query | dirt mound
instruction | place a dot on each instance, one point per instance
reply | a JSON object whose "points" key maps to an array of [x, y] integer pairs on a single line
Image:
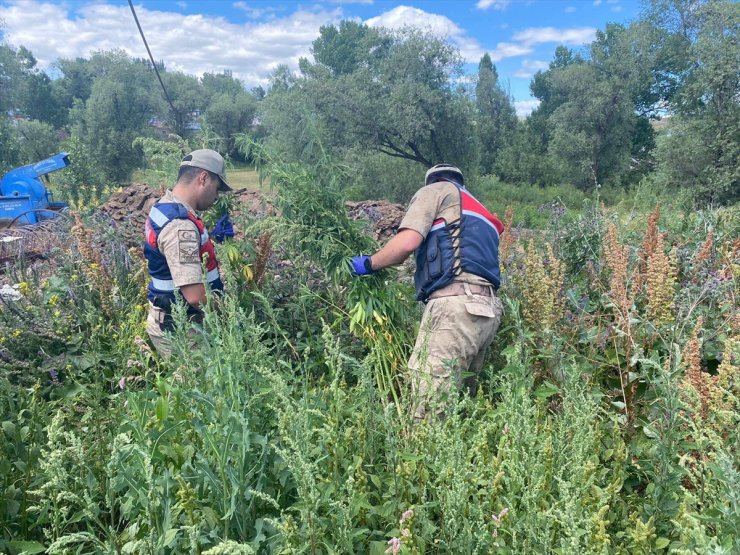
{"points": [[126, 211], [384, 216]]}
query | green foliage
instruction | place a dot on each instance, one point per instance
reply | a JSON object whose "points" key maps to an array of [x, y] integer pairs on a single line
{"points": [[496, 121], [285, 426], [80, 183], [9, 148], [37, 141], [230, 114], [701, 147], [117, 111], [162, 158], [398, 101]]}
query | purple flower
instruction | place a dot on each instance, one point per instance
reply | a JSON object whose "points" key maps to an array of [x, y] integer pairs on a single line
{"points": [[394, 546]]}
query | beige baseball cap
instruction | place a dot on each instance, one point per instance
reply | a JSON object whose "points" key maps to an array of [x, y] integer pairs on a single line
{"points": [[210, 160]]}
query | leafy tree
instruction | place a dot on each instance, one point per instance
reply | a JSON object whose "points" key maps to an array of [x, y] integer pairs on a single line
{"points": [[37, 140], [9, 149], [76, 81], [401, 103], [38, 101], [229, 114], [703, 145], [118, 110], [348, 47], [496, 115], [216, 84], [188, 98], [591, 131]]}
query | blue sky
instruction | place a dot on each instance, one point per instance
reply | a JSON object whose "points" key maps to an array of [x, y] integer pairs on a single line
{"points": [[252, 37]]}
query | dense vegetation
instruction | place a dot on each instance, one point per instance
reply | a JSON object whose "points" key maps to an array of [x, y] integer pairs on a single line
{"points": [[608, 417], [607, 421]]}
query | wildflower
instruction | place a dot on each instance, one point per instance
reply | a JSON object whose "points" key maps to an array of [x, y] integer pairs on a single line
{"points": [[694, 377], [660, 279], [142, 345], [122, 383], [507, 239], [24, 288], [133, 363], [543, 280], [705, 252], [649, 245], [394, 546], [406, 516], [54, 375]]}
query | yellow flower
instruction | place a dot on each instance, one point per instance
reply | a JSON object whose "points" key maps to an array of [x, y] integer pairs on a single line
{"points": [[23, 288], [53, 300], [16, 333]]}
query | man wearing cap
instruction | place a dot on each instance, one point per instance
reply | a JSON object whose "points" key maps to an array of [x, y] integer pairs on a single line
{"points": [[457, 274], [177, 245]]}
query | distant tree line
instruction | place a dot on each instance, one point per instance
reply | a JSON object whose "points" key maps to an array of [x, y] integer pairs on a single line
{"points": [[391, 103]]}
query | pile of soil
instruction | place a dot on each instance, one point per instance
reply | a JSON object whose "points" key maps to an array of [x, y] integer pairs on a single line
{"points": [[127, 210], [384, 216]]}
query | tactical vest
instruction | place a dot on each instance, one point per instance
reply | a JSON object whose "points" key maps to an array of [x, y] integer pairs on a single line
{"points": [[161, 285], [469, 245]]}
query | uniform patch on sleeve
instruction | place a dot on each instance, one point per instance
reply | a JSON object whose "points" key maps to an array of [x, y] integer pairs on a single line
{"points": [[187, 243]]}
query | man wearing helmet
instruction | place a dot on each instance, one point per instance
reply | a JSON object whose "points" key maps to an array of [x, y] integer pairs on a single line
{"points": [[457, 274]]}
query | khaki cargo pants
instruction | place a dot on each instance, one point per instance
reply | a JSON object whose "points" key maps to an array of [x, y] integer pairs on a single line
{"points": [[455, 332], [161, 339]]}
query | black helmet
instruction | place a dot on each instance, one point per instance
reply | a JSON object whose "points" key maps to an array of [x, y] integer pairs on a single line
{"points": [[438, 172]]}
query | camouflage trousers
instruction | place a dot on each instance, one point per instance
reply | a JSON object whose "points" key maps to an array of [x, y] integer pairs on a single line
{"points": [[454, 335]]}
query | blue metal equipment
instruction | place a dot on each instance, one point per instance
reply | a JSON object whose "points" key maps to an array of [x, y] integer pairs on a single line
{"points": [[23, 197]]}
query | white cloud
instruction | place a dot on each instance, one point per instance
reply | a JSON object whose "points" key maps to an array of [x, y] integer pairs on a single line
{"points": [[509, 50], [194, 44], [351, 1], [495, 4], [441, 26], [616, 9], [525, 107], [570, 9], [573, 35], [530, 67], [253, 13], [597, 2]]}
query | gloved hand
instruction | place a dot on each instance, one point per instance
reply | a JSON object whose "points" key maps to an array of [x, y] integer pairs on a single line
{"points": [[223, 228], [360, 266]]}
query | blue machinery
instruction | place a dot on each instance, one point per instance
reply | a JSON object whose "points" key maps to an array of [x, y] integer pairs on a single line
{"points": [[24, 199]]}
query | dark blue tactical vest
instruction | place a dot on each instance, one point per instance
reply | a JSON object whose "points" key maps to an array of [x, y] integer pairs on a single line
{"points": [[475, 237]]}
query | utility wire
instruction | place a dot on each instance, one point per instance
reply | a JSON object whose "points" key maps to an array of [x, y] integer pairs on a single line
{"points": [[166, 94]]}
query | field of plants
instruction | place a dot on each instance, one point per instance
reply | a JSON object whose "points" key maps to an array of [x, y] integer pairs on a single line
{"points": [[607, 421]]}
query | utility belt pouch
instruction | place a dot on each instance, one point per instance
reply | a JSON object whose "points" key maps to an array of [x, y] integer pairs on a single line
{"points": [[164, 316], [434, 258]]}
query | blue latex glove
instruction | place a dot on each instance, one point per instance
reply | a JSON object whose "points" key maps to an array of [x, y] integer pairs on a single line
{"points": [[360, 266], [223, 228]]}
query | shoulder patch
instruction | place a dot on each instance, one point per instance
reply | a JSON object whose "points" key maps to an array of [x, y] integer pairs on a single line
{"points": [[187, 236], [188, 246]]}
